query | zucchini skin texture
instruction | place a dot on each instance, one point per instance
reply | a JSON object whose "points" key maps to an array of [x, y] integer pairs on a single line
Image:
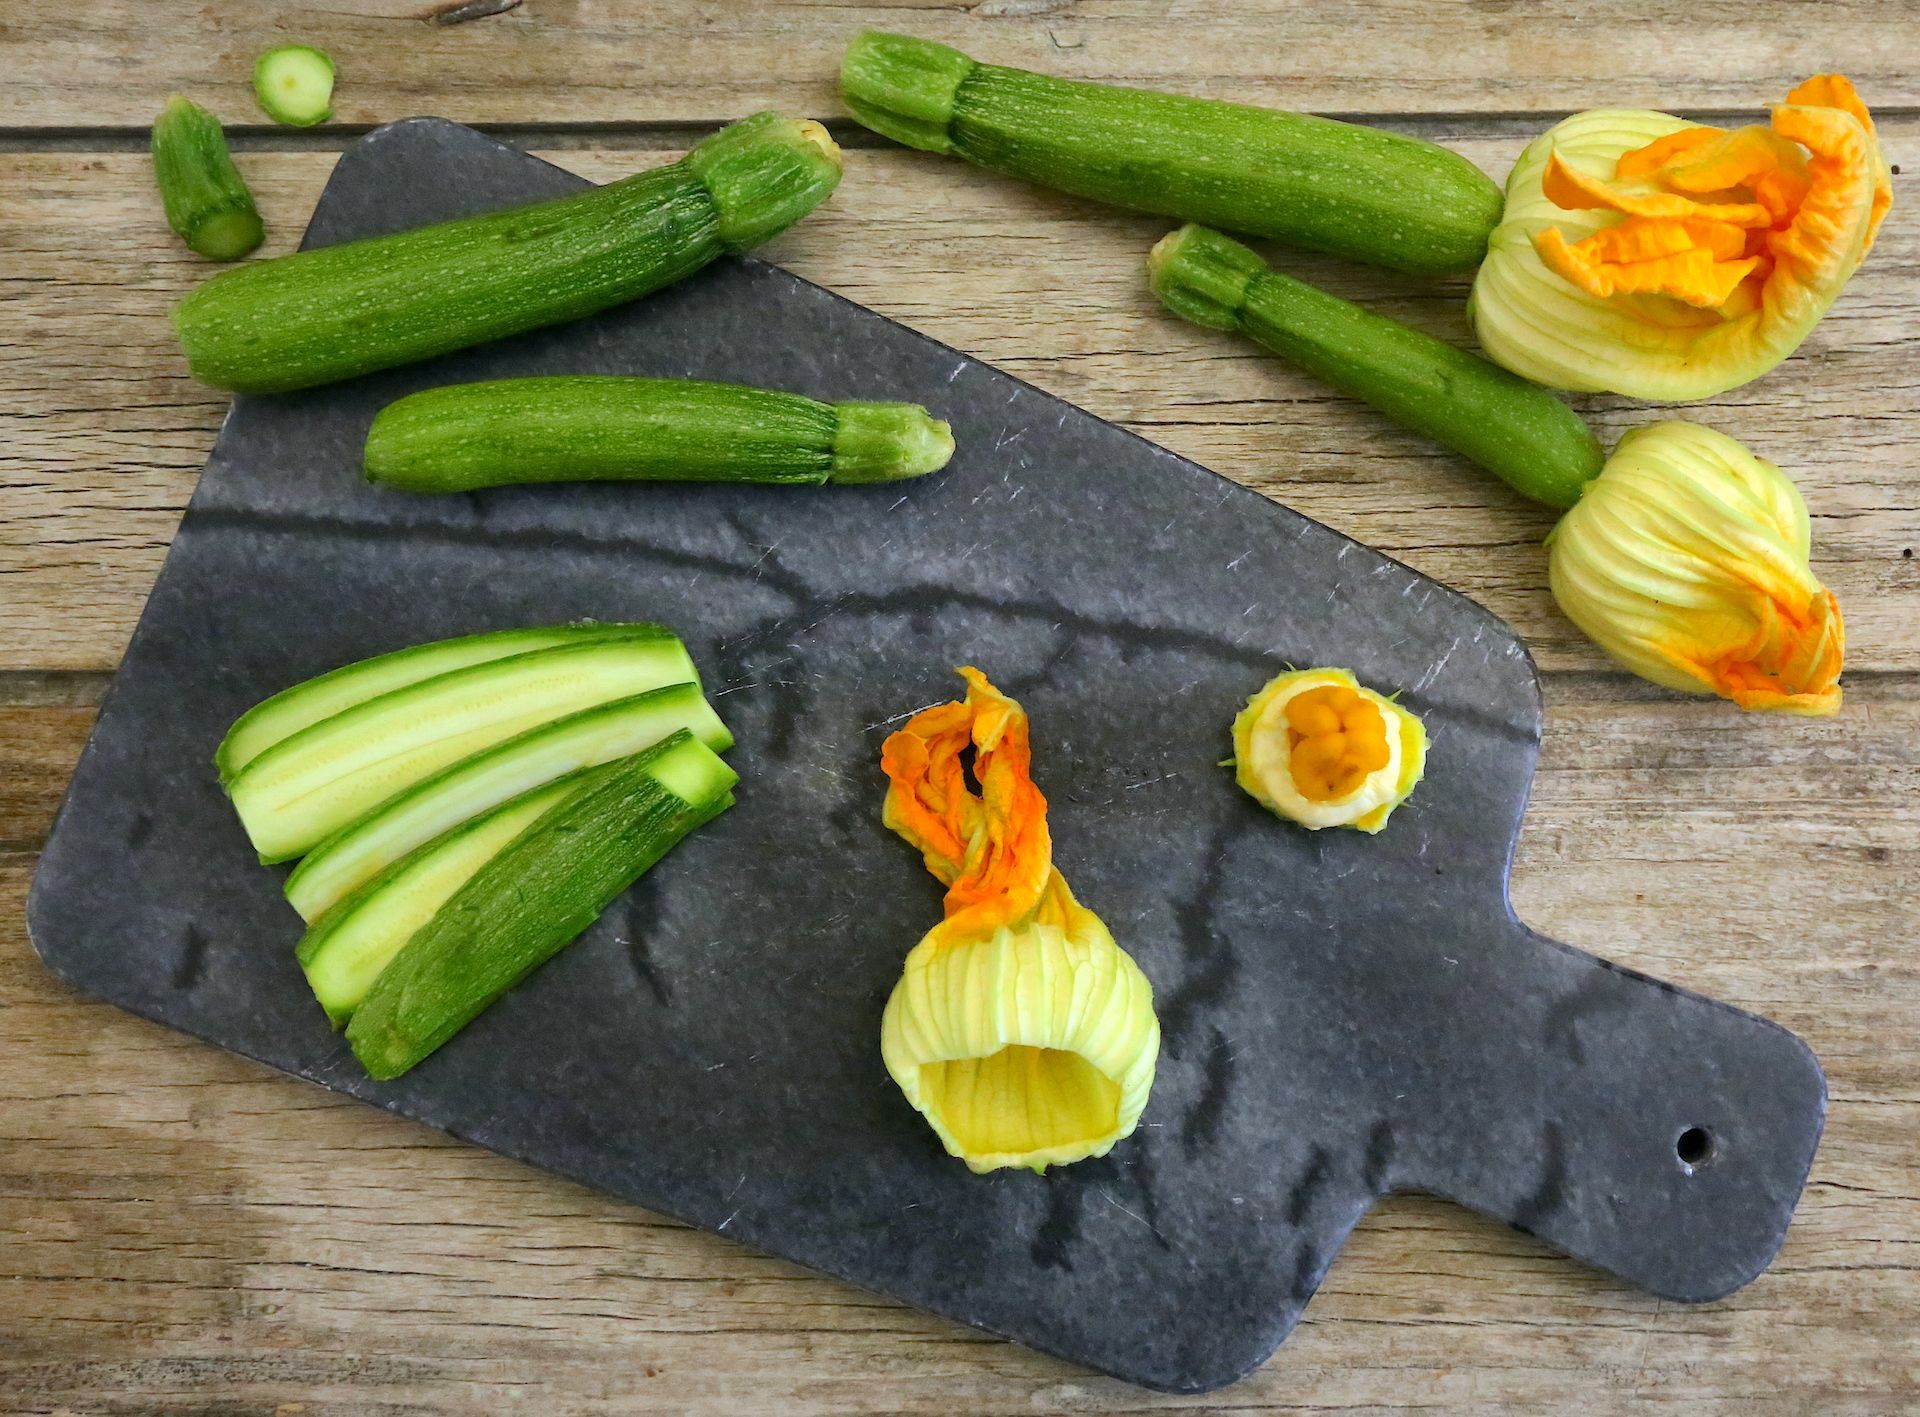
{"points": [[1515, 429], [572, 428], [1354, 191], [207, 201], [341, 311], [524, 906]]}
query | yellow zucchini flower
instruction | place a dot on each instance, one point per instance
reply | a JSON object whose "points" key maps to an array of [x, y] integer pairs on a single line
{"points": [[1686, 560], [1644, 255], [1318, 747], [1019, 1029]]}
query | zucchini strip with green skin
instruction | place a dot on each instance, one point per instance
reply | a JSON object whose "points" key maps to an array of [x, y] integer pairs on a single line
{"points": [[1355, 191], [207, 201], [530, 901], [571, 428], [333, 313], [310, 785], [1516, 430], [367, 845], [311, 700]]}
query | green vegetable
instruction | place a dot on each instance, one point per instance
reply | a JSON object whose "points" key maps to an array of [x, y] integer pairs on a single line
{"points": [[1360, 192], [206, 200], [333, 313], [306, 703], [294, 84], [581, 427], [344, 953], [366, 846], [1512, 428], [311, 784], [529, 901]]}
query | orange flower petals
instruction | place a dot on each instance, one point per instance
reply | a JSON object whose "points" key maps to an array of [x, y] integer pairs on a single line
{"points": [[1837, 91]]}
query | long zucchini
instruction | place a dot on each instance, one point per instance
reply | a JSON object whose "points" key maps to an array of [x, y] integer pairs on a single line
{"points": [[333, 313], [1514, 429], [527, 903], [569, 428], [344, 952], [205, 197], [311, 700], [1360, 192], [366, 846], [308, 786]]}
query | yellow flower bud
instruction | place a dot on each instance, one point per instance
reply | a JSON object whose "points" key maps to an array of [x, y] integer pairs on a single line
{"points": [[1645, 255], [1686, 560]]}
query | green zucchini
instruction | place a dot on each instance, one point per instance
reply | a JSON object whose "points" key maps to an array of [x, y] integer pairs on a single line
{"points": [[1355, 191], [569, 428], [294, 84], [308, 786], [345, 951], [306, 703], [206, 199], [369, 844], [1514, 429], [533, 898], [340, 311]]}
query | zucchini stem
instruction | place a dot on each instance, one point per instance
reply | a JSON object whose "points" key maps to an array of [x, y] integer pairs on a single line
{"points": [[206, 199]]}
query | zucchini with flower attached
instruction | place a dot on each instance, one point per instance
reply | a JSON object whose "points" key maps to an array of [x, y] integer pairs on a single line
{"points": [[206, 199], [1375, 196], [571, 428], [317, 316]]}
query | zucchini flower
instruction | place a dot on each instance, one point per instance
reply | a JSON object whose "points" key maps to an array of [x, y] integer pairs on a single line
{"points": [[1019, 1029], [1686, 560], [1319, 748], [1648, 256]]}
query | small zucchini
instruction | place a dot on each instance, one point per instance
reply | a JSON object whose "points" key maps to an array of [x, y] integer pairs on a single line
{"points": [[1514, 429], [306, 703], [306, 787], [294, 84], [528, 902], [369, 844], [572, 428], [317, 316], [1374, 196], [206, 200]]}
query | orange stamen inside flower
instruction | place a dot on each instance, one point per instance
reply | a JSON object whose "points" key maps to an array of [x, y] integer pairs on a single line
{"points": [[1729, 221], [1336, 740], [991, 847]]}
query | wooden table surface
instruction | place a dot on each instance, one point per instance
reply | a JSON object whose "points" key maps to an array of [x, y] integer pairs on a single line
{"points": [[182, 1231]]}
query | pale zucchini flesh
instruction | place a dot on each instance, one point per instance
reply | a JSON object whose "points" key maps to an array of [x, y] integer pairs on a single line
{"points": [[310, 785], [368, 845], [306, 703]]}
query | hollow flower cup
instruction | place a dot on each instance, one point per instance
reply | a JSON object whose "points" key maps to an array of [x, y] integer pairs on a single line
{"points": [[1686, 560], [1644, 255]]}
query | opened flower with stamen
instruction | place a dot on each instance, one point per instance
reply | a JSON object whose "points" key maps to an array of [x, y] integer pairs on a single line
{"points": [[1019, 1029], [1320, 748], [1686, 560], [1648, 256]]}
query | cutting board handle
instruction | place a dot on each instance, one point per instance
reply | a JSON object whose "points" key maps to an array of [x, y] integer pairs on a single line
{"points": [[1659, 1135]]}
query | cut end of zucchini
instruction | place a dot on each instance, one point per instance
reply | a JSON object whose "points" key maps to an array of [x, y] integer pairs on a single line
{"points": [[294, 84], [206, 200], [230, 235], [764, 173], [888, 442], [903, 88], [1203, 276]]}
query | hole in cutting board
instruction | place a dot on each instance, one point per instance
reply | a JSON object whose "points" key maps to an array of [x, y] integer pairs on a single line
{"points": [[1694, 1147]]}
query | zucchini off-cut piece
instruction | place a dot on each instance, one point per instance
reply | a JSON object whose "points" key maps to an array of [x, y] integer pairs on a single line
{"points": [[369, 844], [583, 427], [344, 952], [339, 311], [533, 898], [308, 786], [294, 84], [207, 201], [311, 700]]}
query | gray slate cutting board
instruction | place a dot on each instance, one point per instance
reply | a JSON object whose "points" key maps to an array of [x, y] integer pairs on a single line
{"points": [[1344, 1015]]}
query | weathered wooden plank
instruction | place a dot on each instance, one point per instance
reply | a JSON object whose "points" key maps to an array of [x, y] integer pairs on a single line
{"points": [[104, 430], [185, 1232], [105, 62]]}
